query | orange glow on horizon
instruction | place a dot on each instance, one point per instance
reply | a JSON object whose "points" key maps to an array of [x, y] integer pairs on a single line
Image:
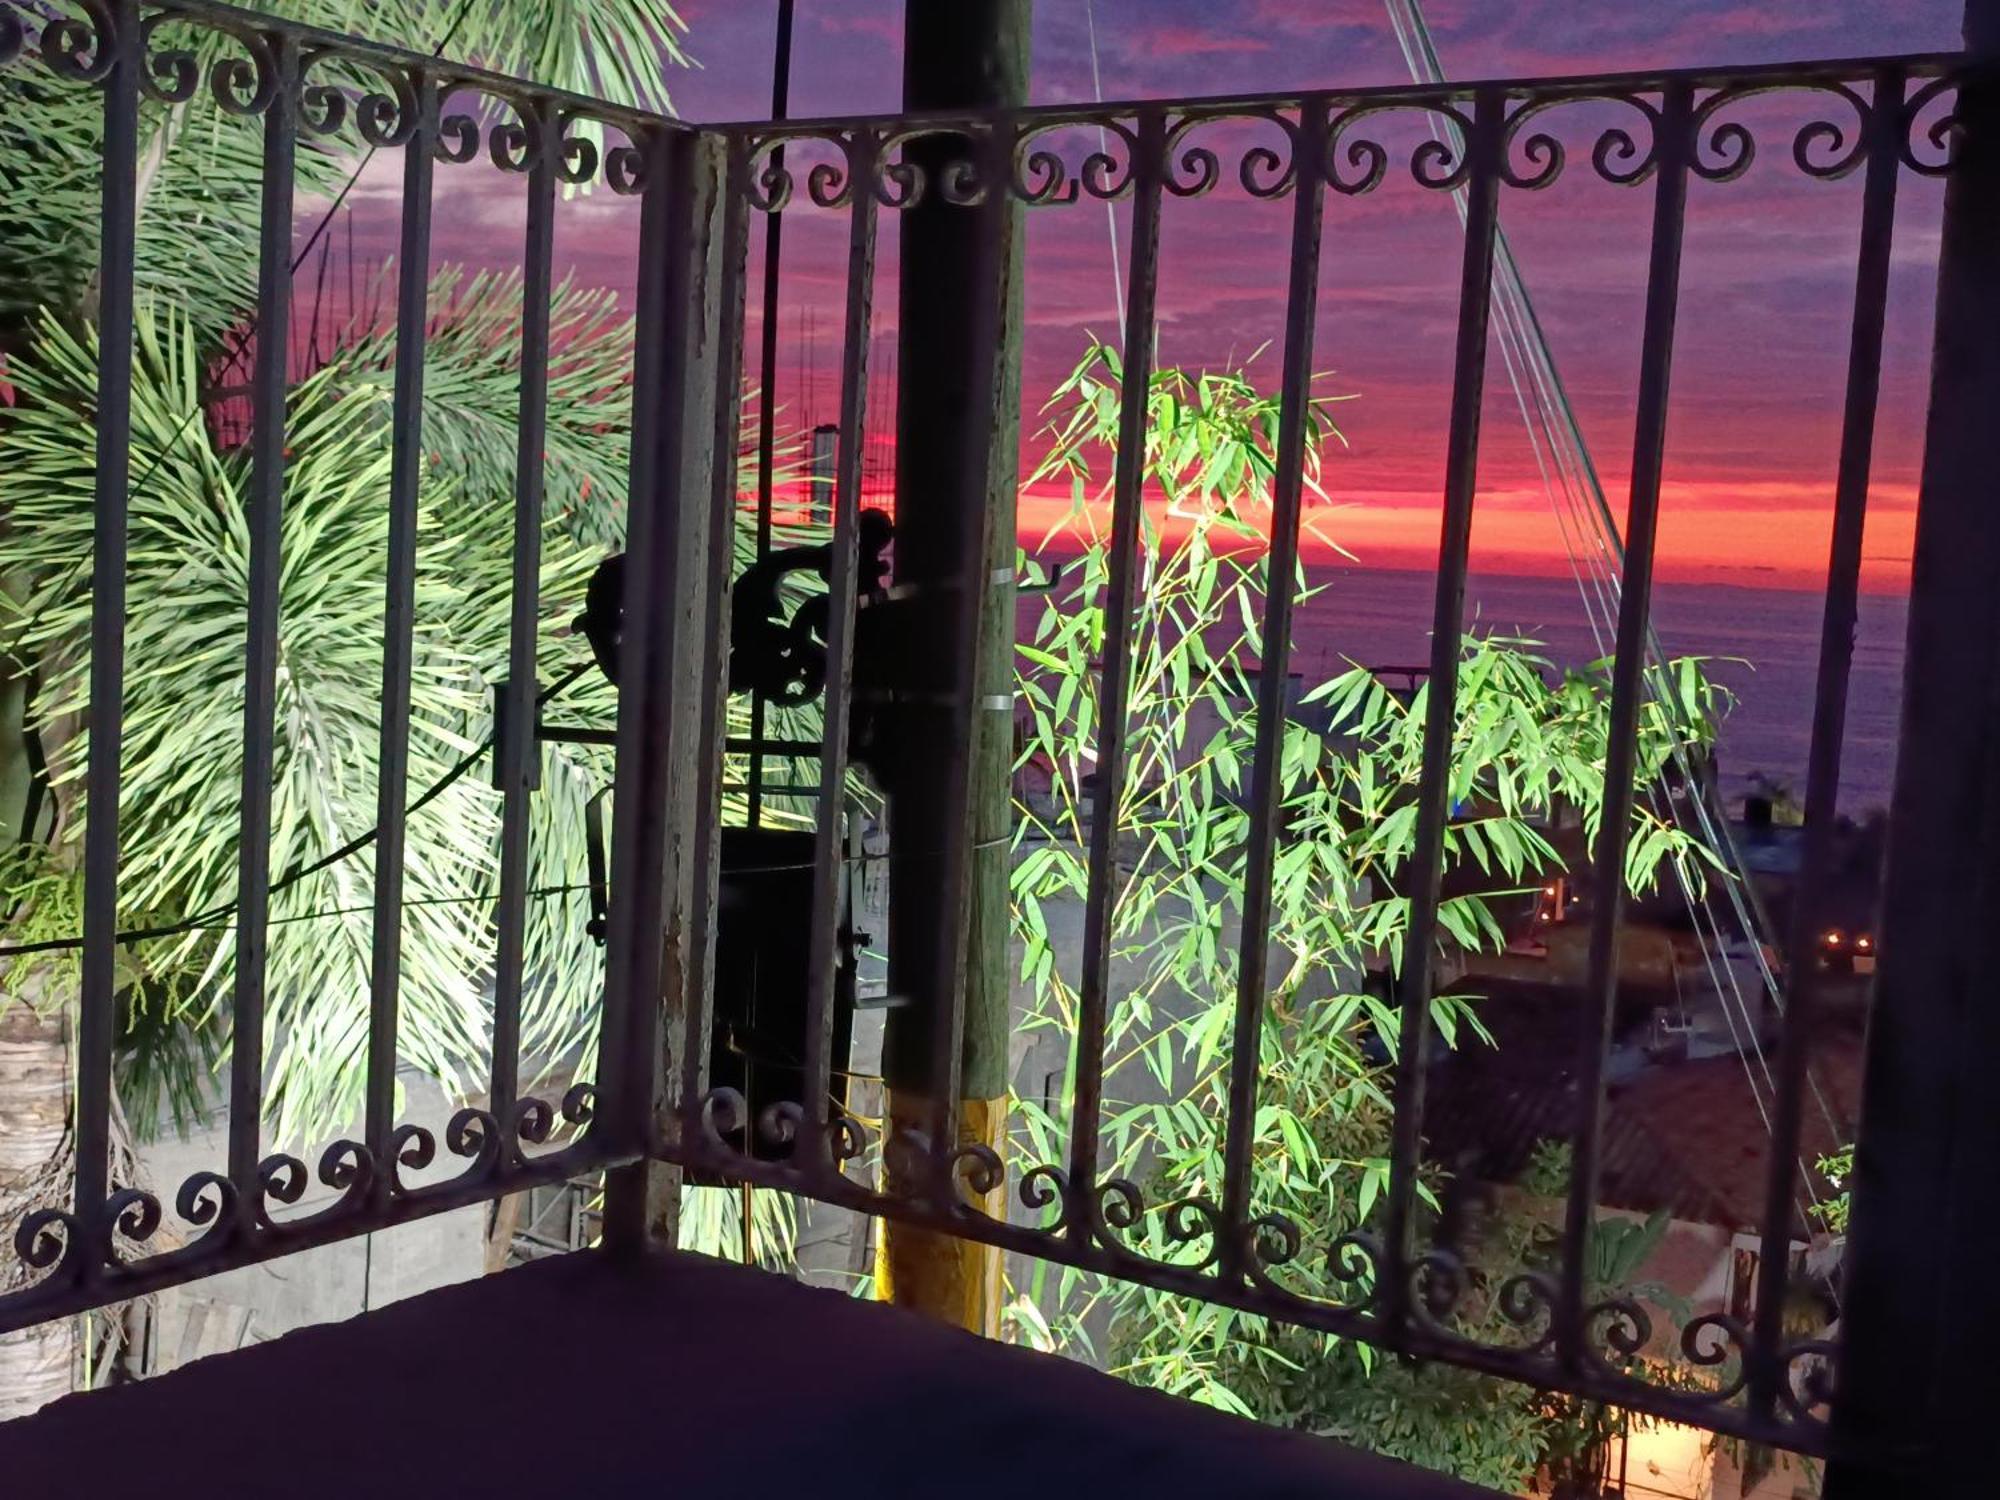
{"points": [[1766, 534]]}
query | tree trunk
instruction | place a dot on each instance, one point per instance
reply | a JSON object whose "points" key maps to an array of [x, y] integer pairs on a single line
{"points": [[36, 1363]]}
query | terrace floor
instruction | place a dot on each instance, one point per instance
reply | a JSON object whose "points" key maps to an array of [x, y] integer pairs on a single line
{"points": [[675, 1375]]}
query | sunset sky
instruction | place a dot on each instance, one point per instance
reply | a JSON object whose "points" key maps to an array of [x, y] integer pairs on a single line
{"points": [[1766, 286]]}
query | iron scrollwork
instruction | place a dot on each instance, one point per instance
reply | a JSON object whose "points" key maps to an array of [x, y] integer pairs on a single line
{"points": [[535, 1120], [1044, 1186], [56, 1243], [346, 1166], [1713, 1342], [896, 180], [1723, 149], [722, 1130], [411, 1146], [206, 1200], [459, 134], [1352, 160], [129, 1213], [1194, 170], [384, 117], [495, 1151], [13, 35], [1941, 134], [1354, 163], [579, 158], [241, 86], [719, 1114], [1617, 156], [1349, 160], [383, 95], [1273, 1241], [770, 181], [521, 129], [1527, 1300], [51, 1239], [82, 51], [1435, 1282], [1118, 1206], [1623, 1326], [522, 143], [977, 1168], [1828, 148], [1038, 175], [1445, 164], [46, 1239]]}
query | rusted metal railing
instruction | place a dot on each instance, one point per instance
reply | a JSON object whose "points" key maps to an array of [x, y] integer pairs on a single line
{"points": [[700, 189]]}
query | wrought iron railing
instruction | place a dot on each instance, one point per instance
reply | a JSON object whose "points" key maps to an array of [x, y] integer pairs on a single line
{"points": [[699, 190], [296, 81]]}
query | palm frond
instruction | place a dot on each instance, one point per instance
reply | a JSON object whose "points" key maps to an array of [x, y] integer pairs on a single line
{"points": [[188, 582], [618, 50], [198, 216], [472, 372]]}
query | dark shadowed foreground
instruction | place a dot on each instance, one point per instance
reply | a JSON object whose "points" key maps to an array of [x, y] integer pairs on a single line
{"points": [[675, 1374]]}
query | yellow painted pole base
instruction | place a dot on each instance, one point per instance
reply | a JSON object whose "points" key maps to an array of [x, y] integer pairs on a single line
{"points": [[955, 1281]]}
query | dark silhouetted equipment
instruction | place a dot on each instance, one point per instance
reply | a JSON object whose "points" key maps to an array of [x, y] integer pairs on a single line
{"points": [[762, 951], [762, 936], [781, 657]]}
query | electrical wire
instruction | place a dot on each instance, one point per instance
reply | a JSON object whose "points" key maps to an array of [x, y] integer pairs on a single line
{"points": [[1110, 216], [217, 916], [1524, 347]]}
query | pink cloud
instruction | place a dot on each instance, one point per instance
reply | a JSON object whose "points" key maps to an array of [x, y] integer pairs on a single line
{"points": [[882, 28], [1195, 41]]}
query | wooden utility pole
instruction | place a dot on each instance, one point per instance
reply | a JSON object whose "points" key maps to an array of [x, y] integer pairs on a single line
{"points": [[1919, 1298], [969, 54]]}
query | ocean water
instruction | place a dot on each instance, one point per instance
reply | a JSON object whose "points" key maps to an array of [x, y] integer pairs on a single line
{"points": [[1762, 644]]}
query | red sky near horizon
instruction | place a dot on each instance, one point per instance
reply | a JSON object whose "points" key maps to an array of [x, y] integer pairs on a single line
{"points": [[1766, 287]]}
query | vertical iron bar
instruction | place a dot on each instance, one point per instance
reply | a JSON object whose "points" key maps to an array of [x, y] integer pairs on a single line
{"points": [[632, 961], [715, 632], [117, 226], [1836, 657], [1426, 871], [1127, 501], [1295, 410], [398, 626], [518, 750], [1675, 148], [260, 667], [767, 411], [825, 918], [659, 718]]}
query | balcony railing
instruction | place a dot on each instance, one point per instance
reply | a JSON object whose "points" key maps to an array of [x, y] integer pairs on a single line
{"points": [[699, 191]]}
